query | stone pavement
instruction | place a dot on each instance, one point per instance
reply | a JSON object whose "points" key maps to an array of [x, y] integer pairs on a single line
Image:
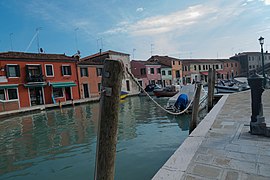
{"points": [[221, 147]]}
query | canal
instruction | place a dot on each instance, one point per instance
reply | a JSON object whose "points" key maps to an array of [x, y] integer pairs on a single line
{"points": [[57, 144]]}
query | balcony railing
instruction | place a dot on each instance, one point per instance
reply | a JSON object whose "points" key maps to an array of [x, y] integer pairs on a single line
{"points": [[35, 78]]}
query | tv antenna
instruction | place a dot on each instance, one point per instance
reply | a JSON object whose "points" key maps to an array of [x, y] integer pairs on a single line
{"points": [[10, 38], [101, 43], [152, 45], [76, 38], [32, 40], [133, 53]]}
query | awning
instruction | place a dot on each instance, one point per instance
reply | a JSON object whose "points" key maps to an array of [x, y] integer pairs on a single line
{"points": [[37, 84], [204, 73], [62, 84], [222, 72], [5, 86]]}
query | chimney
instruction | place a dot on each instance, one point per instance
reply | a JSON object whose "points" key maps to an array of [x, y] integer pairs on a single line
{"points": [[100, 50]]}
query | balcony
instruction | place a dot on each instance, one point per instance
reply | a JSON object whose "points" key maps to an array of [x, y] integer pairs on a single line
{"points": [[35, 78], [34, 73]]}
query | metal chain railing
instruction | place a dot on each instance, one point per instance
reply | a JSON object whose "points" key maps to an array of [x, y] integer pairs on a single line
{"points": [[172, 113]]}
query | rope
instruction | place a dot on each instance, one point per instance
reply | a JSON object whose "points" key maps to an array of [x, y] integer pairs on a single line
{"points": [[172, 113]]}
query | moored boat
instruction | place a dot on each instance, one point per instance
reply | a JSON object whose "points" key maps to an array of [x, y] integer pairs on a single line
{"points": [[168, 91], [189, 91], [123, 95]]}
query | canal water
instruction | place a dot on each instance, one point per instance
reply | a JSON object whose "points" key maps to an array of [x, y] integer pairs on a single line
{"points": [[58, 144]]}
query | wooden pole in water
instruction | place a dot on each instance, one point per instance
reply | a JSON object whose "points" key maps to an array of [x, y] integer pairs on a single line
{"points": [[209, 94], [112, 76], [211, 87], [195, 108]]}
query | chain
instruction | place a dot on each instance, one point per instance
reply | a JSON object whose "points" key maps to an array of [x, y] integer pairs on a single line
{"points": [[172, 113]]}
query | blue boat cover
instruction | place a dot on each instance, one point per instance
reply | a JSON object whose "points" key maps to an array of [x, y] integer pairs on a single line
{"points": [[181, 102]]}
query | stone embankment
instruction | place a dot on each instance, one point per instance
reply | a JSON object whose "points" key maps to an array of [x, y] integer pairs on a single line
{"points": [[221, 147]]}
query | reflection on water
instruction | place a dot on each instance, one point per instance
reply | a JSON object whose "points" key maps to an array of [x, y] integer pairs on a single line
{"points": [[61, 144]]}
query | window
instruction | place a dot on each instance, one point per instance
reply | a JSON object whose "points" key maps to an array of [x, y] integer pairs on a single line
{"points": [[235, 64], [217, 66], [49, 70], [195, 67], [179, 63], [158, 70], [99, 71], [143, 71], [249, 66], [66, 70], [152, 70], [12, 94], [173, 63], [199, 67], [177, 74], [99, 87], [169, 72], [231, 64], [84, 72], [57, 92], [203, 67], [163, 73], [2, 94], [127, 84], [13, 70]]}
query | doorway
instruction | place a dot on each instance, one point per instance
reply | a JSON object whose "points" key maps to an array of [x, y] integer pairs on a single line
{"points": [[85, 91], [68, 93], [36, 96]]}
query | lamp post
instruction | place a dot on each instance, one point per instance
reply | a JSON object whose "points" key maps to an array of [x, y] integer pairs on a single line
{"points": [[261, 40]]}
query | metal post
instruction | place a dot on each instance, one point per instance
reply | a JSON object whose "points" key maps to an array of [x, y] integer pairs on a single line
{"points": [[263, 65], [257, 124], [108, 118]]}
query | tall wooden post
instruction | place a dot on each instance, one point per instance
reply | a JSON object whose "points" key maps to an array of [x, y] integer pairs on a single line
{"points": [[108, 119], [211, 87], [195, 108]]}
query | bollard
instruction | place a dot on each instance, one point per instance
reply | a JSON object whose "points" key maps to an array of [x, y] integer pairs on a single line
{"points": [[195, 109], [112, 76], [257, 124]]}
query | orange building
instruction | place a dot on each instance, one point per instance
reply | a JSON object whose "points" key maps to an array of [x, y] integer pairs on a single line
{"points": [[89, 76], [29, 79]]}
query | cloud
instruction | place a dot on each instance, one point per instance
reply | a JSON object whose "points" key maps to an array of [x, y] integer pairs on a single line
{"points": [[165, 23], [139, 9], [267, 2]]}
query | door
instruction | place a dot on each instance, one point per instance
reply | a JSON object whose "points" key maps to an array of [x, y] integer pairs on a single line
{"points": [[68, 93], [85, 90], [36, 96]]}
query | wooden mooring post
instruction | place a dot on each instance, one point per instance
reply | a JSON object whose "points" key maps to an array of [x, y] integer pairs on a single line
{"points": [[112, 76], [195, 108], [211, 88]]}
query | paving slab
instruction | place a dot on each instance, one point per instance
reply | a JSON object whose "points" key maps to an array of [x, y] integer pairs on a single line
{"points": [[221, 147]]}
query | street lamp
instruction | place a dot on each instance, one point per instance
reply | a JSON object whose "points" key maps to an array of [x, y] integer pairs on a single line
{"points": [[261, 40]]}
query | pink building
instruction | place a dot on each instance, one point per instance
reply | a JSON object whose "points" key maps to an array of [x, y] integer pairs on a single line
{"points": [[146, 72]]}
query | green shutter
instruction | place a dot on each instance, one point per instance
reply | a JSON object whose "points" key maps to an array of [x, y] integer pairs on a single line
{"points": [[7, 71], [18, 73]]}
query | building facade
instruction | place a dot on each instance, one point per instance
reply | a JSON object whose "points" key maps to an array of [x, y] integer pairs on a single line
{"points": [[250, 61], [29, 79], [128, 84], [174, 63]]}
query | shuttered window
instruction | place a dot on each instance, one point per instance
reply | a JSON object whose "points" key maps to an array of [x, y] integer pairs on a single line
{"points": [[13, 71], [66, 70]]}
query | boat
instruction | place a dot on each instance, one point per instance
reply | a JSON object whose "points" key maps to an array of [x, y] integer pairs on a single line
{"points": [[150, 88], [167, 91], [232, 86], [189, 90], [123, 95]]}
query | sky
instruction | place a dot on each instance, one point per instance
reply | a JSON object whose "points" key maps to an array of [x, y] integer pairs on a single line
{"points": [[141, 28]]}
